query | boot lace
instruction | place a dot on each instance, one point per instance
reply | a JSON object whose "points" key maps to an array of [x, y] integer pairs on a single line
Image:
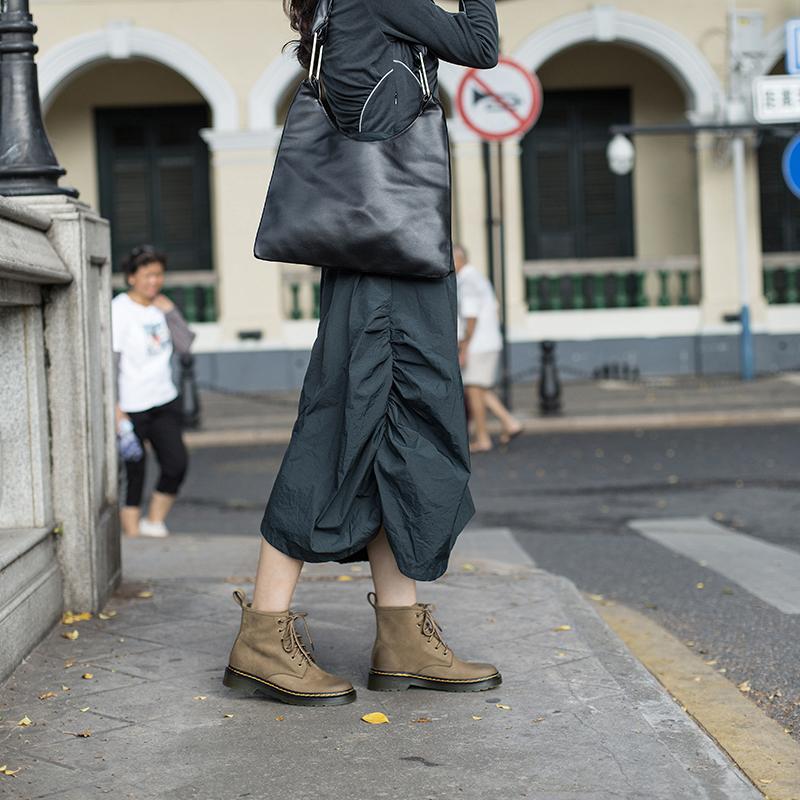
{"points": [[430, 628], [292, 641]]}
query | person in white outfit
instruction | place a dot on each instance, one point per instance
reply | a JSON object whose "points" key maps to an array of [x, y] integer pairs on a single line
{"points": [[479, 347], [147, 328]]}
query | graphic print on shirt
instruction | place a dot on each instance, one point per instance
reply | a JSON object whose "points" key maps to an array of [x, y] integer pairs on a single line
{"points": [[157, 337]]}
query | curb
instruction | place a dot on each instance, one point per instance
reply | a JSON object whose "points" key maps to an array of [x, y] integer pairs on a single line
{"points": [[578, 424]]}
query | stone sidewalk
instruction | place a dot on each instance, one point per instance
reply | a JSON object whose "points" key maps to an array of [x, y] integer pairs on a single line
{"points": [[577, 717], [232, 419]]}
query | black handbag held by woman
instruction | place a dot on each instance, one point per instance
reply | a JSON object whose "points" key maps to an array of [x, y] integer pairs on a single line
{"points": [[335, 200]]}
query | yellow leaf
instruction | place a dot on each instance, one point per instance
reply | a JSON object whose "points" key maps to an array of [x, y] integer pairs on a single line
{"points": [[744, 686], [765, 781], [227, 716], [70, 662], [422, 719], [65, 688], [73, 634], [144, 594], [4, 770], [469, 567], [68, 618], [700, 585], [344, 578], [107, 614], [84, 734], [281, 718], [476, 718], [539, 719], [47, 695], [84, 709], [87, 676], [25, 721], [375, 718], [596, 597], [503, 706], [563, 628], [200, 697]]}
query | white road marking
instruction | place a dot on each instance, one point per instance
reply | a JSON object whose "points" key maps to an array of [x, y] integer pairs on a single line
{"points": [[770, 572]]}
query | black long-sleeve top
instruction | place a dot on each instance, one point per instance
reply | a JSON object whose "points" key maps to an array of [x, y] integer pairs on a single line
{"points": [[370, 69]]}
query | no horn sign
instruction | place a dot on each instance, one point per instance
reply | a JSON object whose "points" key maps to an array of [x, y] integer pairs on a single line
{"points": [[501, 102]]}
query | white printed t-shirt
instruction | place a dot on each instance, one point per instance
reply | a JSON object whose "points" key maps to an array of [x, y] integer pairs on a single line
{"points": [[476, 299], [141, 336]]}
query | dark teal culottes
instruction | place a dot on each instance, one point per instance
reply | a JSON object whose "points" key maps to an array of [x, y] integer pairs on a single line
{"points": [[381, 433]]}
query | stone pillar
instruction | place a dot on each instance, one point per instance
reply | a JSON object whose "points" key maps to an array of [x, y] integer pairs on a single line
{"points": [[81, 395]]}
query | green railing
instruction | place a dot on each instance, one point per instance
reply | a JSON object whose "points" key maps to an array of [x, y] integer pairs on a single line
{"points": [[575, 285], [781, 278], [301, 292], [195, 293]]}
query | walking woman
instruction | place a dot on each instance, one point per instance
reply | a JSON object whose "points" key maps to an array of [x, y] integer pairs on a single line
{"points": [[378, 462], [146, 329]]}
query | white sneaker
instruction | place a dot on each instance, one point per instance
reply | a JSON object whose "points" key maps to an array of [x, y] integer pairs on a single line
{"points": [[155, 529]]}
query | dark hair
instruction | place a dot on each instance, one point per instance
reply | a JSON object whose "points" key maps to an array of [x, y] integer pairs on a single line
{"points": [[141, 256], [301, 15]]}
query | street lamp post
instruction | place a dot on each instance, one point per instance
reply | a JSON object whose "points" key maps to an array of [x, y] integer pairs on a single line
{"points": [[28, 165]]}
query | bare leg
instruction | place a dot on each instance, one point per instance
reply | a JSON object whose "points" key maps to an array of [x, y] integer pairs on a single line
{"points": [[276, 579], [391, 586], [509, 422], [160, 505], [129, 520], [477, 409]]}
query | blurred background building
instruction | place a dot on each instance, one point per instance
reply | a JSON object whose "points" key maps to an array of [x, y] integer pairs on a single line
{"points": [[167, 114]]}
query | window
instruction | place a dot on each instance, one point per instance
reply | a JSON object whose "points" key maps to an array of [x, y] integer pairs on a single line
{"points": [[575, 207], [780, 209], [154, 183]]}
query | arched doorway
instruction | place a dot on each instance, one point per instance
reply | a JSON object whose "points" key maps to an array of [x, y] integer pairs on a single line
{"points": [[128, 132]]}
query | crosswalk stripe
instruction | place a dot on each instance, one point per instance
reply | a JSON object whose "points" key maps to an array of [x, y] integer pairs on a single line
{"points": [[766, 570]]}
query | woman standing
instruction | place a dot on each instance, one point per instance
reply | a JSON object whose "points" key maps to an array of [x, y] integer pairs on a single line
{"points": [[146, 329], [378, 462]]}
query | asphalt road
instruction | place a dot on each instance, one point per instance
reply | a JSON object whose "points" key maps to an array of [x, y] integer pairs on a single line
{"points": [[569, 499]]}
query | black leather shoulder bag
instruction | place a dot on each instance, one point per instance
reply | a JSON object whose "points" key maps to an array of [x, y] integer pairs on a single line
{"points": [[375, 206]]}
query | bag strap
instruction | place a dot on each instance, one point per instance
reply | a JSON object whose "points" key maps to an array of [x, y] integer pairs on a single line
{"points": [[319, 32]]}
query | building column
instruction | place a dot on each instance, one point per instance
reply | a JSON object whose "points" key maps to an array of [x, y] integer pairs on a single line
{"points": [[720, 280], [250, 295]]}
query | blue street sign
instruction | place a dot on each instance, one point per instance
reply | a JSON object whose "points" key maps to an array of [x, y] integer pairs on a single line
{"points": [[791, 166], [793, 46]]}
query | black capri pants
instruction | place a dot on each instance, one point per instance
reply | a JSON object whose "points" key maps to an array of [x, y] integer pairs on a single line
{"points": [[161, 426]]}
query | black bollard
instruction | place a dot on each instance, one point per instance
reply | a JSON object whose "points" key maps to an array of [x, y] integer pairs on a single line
{"points": [[549, 382], [189, 394]]}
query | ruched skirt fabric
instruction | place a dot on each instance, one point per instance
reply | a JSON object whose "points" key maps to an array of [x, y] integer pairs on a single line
{"points": [[381, 433]]}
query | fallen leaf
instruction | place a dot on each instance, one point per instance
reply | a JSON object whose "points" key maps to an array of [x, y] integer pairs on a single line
{"points": [[539, 719], [227, 716], [700, 585], [65, 689], [25, 721], [200, 697], [765, 781], [596, 597], [503, 706], [375, 718], [744, 687], [344, 578], [476, 718], [356, 568], [87, 676], [47, 695], [469, 567], [84, 709], [561, 655], [4, 770], [711, 663], [73, 634], [563, 628], [107, 614], [281, 718], [145, 595], [68, 618], [422, 719], [69, 663], [82, 734]]}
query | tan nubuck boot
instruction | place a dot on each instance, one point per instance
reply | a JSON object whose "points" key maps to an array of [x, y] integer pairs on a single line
{"points": [[270, 658], [409, 651]]}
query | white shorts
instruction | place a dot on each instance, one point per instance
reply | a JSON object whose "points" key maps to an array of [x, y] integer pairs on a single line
{"points": [[481, 369]]}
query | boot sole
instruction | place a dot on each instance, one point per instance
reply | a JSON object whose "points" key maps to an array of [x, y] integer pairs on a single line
{"points": [[250, 684], [400, 681]]}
